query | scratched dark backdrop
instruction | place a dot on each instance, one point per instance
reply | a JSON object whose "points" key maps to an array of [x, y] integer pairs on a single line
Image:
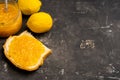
{"points": [[84, 39]]}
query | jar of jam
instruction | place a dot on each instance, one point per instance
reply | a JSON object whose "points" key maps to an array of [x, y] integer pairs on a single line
{"points": [[10, 18]]}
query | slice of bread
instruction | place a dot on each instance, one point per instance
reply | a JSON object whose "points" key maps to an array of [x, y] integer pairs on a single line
{"points": [[12, 59]]}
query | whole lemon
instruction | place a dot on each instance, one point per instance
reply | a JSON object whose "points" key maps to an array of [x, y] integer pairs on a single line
{"points": [[40, 22], [29, 7]]}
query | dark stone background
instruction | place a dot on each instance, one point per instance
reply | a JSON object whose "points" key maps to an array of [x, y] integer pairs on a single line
{"points": [[75, 23]]}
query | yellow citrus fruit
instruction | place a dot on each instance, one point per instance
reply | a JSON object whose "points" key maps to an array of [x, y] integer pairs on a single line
{"points": [[29, 7], [25, 51], [40, 22]]}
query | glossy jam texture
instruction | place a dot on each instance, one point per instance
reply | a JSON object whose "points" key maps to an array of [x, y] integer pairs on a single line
{"points": [[10, 20]]}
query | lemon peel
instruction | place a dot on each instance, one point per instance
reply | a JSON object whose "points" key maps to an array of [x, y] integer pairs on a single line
{"points": [[29, 7], [40, 22]]}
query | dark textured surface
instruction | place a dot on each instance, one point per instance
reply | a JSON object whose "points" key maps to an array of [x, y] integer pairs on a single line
{"points": [[75, 23]]}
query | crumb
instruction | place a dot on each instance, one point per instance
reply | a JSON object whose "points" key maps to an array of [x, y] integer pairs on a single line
{"points": [[87, 44]]}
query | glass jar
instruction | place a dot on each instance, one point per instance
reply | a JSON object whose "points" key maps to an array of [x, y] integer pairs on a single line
{"points": [[10, 18]]}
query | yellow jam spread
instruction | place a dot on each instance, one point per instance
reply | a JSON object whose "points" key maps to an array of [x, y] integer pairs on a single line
{"points": [[10, 20]]}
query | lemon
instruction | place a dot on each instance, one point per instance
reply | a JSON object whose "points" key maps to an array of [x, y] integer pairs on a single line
{"points": [[29, 7], [40, 22]]}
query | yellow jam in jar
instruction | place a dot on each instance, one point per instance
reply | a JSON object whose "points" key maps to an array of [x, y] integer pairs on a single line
{"points": [[10, 20]]}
